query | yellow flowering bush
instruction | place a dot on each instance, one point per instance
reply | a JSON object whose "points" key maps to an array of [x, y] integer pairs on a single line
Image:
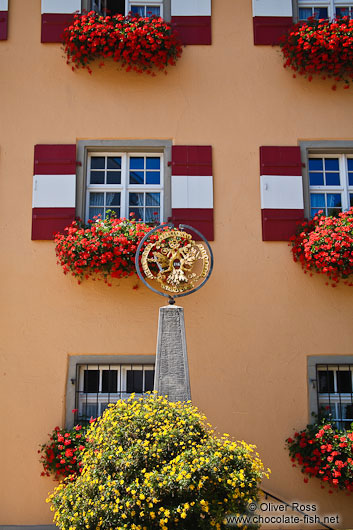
{"points": [[152, 464]]}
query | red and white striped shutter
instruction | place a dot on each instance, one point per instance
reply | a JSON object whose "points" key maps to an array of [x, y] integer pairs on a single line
{"points": [[192, 188], [282, 203], [56, 16], [54, 189], [192, 20], [271, 19], [4, 17]]}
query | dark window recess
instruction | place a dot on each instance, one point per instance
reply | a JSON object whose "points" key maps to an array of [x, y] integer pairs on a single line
{"points": [[149, 380], [91, 381], [326, 381], [115, 7], [134, 381], [109, 381], [344, 382]]}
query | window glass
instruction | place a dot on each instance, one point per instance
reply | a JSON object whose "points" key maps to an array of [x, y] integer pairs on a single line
{"points": [[334, 393]]}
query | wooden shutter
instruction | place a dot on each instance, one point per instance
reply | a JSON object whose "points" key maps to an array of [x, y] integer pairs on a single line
{"points": [[192, 20], [4, 16], [271, 20], [282, 205], [192, 187], [56, 16], [54, 189]]}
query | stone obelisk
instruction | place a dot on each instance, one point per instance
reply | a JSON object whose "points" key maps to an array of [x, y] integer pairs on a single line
{"points": [[172, 369]]}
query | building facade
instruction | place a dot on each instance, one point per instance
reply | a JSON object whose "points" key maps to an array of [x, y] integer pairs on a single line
{"points": [[227, 141]]}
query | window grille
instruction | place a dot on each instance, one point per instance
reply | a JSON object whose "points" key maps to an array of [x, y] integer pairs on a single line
{"points": [[335, 393], [97, 385]]}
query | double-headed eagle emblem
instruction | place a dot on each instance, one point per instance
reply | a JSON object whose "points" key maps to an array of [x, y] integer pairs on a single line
{"points": [[175, 261]]}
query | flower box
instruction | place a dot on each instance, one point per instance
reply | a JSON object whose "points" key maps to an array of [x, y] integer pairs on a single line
{"points": [[140, 44]]}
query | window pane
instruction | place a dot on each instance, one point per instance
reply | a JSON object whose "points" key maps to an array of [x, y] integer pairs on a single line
{"points": [[334, 200], [152, 215], [332, 179], [149, 380], [114, 177], [109, 381], [115, 211], [97, 162], [153, 162], [138, 10], [134, 380], [325, 381], [321, 12], [137, 162], [152, 199], [91, 381], [138, 213], [316, 179], [137, 177], [317, 200], [96, 199], [342, 12], [113, 199], [90, 410], [97, 177], [350, 164], [351, 199], [331, 164], [95, 212], [153, 177], [305, 12], [136, 199], [344, 381], [153, 11], [114, 162], [316, 164]]}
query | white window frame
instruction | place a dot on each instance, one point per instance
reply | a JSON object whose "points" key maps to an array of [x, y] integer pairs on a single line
{"points": [[344, 189], [117, 148], [79, 363], [125, 187], [330, 4]]}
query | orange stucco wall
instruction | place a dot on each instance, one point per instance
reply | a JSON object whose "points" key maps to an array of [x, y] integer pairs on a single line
{"points": [[249, 331]]}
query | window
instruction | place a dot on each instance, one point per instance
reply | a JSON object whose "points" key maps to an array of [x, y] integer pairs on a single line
{"points": [[123, 7], [330, 183], [97, 385], [127, 184], [335, 392], [324, 9], [331, 388]]}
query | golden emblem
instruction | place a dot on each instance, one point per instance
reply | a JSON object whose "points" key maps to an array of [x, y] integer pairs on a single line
{"points": [[175, 261]]}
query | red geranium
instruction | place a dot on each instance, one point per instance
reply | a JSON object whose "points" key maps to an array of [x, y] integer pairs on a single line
{"points": [[103, 248], [139, 44], [63, 460], [324, 452], [325, 245], [321, 47]]}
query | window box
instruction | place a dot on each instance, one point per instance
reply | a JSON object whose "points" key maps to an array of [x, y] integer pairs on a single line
{"points": [[142, 44], [322, 48]]}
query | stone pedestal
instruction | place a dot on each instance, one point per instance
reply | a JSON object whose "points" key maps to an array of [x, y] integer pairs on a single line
{"points": [[172, 370]]}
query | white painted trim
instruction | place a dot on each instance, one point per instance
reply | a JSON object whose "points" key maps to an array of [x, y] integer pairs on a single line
{"points": [[4, 5], [54, 191], [192, 191], [272, 8], [61, 6], [282, 192], [192, 8]]}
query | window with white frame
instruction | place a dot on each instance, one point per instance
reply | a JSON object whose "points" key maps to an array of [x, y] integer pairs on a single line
{"points": [[144, 8], [128, 184], [97, 385], [327, 9], [330, 183], [334, 387]]}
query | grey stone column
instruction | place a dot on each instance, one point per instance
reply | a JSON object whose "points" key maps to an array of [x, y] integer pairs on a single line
{"points": [[172, 369]]}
